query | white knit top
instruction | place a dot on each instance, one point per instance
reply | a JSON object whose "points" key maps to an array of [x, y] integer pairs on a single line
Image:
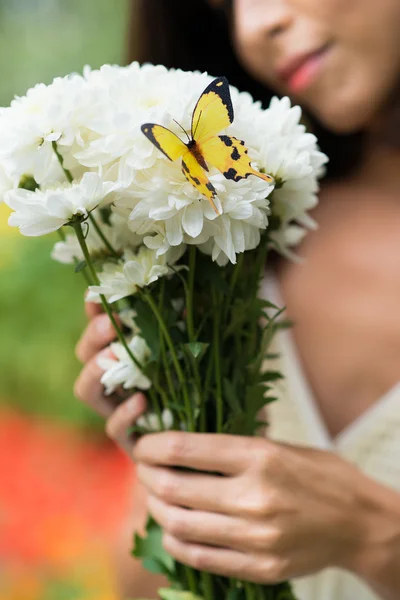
{"points": [[372, 443]]}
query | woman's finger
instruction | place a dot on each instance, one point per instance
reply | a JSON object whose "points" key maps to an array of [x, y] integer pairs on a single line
{"points": [[220, 561], [89, 389], [98, 334], [192, 490], [210, 528], [201, 451], [123, 418], [92, 308]]}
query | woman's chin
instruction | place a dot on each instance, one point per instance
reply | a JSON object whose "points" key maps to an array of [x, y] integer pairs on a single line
{"points": [[344, 118]]}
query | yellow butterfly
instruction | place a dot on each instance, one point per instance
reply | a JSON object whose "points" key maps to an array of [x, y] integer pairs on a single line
{"points": [[213, 112]]}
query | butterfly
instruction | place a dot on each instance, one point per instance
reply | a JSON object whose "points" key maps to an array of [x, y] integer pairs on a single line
{"points": [[212, 113]]}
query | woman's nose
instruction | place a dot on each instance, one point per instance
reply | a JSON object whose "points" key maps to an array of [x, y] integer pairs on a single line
{"points": [[274, 17]]}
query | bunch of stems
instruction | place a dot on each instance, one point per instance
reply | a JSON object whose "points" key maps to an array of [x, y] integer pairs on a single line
{"points": [[201, 584]]}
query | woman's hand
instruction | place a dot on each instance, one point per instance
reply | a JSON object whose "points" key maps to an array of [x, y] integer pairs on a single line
{"points": [[275, 512], [120, 413]]}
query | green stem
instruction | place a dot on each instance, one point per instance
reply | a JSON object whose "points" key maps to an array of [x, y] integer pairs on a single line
{"points": [[103, 237], [236, 272], [164, 397], [207, 585], [156, 407], [82, 242], [259, 271], [174, 357], [217, 361], [67, 173], [191, 579], [190, 320], [76, 260], [260, 595], [190, 293], [81, 239], [250, 591], [167, 370]]}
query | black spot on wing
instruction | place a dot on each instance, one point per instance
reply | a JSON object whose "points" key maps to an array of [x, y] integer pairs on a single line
{"points": [[226, 139], [235, 154], [188, 175], [241, 142], [232, 174], [210, 187]]}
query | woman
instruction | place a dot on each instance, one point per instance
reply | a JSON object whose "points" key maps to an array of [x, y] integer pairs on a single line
{"points": [[319, 500]]}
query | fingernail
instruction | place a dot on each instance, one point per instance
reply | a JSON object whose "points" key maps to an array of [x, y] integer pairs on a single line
{"points": [[131, 406], [103, 325]]}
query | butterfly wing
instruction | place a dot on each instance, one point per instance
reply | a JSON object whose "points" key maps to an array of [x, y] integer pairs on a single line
{"points": [[195, 174], [213, 111], [165, 140], [230, 156]]}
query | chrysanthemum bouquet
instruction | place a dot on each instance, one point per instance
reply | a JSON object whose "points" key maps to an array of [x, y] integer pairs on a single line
{"points": [[173, 239]]}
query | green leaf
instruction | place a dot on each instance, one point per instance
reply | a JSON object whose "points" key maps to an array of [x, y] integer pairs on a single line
{"points": [[271, 376], [148, 326], [238, 317], [210, 275], [231, 397], [150, 548], [272, 355], [234, 594], [267, 304], [155, 566], [27, 182], [80, 266], [170, 594], [196, 349], [236, 424]]}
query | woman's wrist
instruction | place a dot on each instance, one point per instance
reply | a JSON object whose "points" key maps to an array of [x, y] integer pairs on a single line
{"points": [[375, 556]]}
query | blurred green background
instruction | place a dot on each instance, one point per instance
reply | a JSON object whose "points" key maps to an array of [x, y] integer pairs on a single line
{"points": [[41, 307]]}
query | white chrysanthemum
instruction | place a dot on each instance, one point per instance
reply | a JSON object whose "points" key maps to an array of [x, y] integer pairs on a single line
{"points": [[135, 270], [121, 370], [294, 159], [7, 180], [96, 122], [127, 317], [48, 113], [40, 212], [159, 201], [151, 422], [116, 232]]}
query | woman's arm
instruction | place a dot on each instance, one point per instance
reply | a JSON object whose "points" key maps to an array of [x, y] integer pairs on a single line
{"points": [[378, 559]]}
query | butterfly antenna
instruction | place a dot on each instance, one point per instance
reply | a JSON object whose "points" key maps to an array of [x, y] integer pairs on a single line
{"points": [[184, 130], [197, 124]]}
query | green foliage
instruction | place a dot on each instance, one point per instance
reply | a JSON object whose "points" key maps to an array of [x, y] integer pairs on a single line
{"points": [[196, 349], [209, 334], [41, 319], [169, 594], [41, 315], [150, 550], [80, 266], [48, 40]]}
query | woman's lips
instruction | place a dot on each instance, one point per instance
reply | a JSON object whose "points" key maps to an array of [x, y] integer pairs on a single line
{"points": [[298, 72]]}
